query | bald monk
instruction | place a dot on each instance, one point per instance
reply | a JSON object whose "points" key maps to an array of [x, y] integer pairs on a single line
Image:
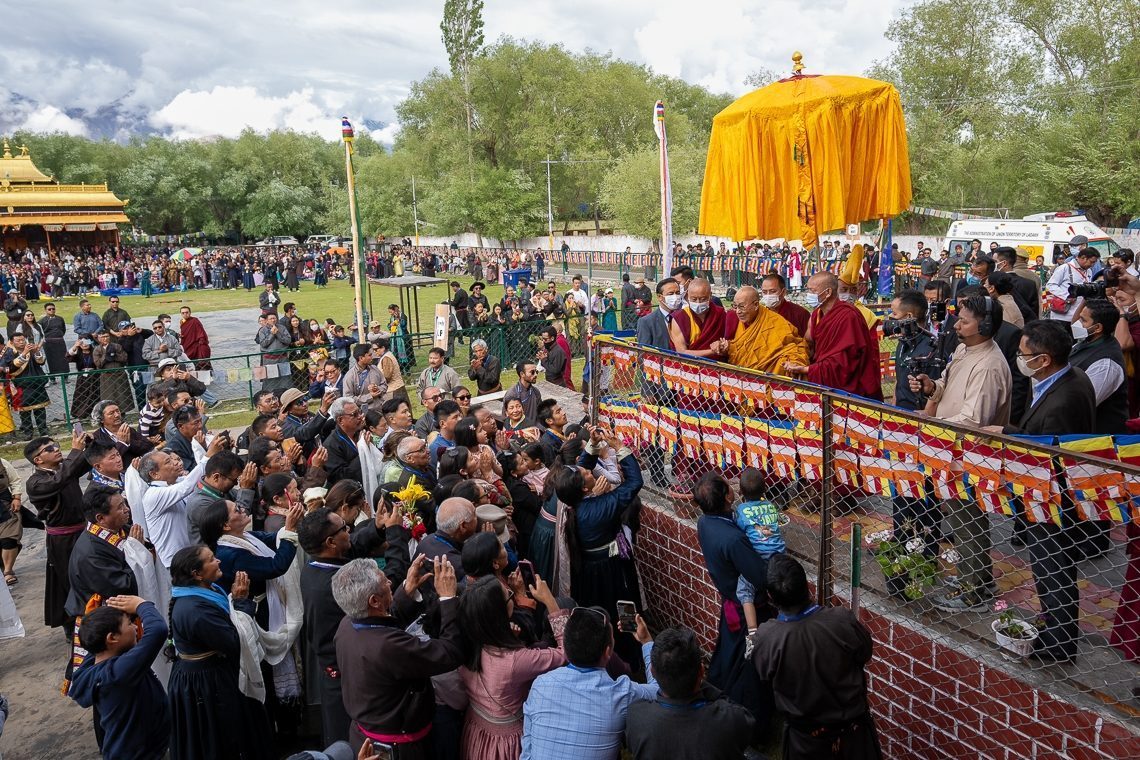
{"points": [[845, 354], [759, 338], [698, 328]]}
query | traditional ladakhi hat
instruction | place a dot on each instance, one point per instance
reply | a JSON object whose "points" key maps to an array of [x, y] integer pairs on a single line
{"points": [[852, 272]]}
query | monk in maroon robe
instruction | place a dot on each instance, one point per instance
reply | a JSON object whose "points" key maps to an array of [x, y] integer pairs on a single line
{"points": [[845, 354], [195, 342]]}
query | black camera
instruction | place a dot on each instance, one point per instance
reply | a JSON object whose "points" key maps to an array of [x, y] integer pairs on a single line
{"points": [[930, 365], [1088, 289], [937, 311], [905, 329]]}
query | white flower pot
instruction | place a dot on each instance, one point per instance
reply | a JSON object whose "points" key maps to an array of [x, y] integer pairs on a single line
{"points": [[1019, 647]]}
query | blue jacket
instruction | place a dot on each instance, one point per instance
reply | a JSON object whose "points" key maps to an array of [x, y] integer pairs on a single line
{"points": [[131, 701]]}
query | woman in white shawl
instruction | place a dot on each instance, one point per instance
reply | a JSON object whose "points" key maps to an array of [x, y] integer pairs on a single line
{"points": [[274, 585], [368, 447]]}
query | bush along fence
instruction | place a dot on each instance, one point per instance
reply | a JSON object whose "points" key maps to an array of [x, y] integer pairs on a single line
{"points": [[862, 490]]}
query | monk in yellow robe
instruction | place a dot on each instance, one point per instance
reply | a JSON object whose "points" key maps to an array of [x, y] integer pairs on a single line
{"points": [[853, 285], [761, 339]]}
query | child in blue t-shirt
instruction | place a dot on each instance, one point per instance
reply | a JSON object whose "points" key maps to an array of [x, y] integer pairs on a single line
{"points": [[760, 520]]}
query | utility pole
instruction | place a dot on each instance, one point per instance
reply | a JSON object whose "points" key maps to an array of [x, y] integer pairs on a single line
{"points": [[415, 213]]}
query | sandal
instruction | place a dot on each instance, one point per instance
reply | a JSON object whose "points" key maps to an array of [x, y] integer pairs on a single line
{"points": [[11, 579]]}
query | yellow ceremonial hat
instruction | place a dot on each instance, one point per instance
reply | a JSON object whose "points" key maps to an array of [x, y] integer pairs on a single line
{"points": [[852, 272]]}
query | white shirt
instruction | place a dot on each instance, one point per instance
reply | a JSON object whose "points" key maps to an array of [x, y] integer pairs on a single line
{"points": [[1105, 376], [167, 525]]}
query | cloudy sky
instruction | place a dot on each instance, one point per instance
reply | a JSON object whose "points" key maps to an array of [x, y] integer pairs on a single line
{"points": [[213, 68]]}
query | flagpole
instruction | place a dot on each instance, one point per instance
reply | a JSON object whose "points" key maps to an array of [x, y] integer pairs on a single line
{"points": [[666, 195], [357, 255]]}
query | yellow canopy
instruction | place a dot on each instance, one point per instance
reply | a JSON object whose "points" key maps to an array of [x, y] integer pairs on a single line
{"points": [[806, 155]]}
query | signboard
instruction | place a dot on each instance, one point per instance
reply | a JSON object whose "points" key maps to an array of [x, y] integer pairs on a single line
{"points": [[852, 231], [442, 325]]}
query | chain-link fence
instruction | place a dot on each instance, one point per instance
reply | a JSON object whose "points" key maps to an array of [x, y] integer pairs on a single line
{"points": [[995, 545]]}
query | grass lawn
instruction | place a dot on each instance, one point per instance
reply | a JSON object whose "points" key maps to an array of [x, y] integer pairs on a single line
{"points": [[335, 301]]}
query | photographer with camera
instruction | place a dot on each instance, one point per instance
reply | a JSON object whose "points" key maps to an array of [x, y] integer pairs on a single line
{"points": [[916, 351], [975, 390], [1064, 294]]}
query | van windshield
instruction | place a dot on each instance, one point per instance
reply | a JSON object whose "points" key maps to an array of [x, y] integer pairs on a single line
{"points": [[1105, 247]]}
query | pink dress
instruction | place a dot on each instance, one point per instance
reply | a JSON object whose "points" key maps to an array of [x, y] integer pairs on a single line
{"points": [[1126, 629], [494, 725]]}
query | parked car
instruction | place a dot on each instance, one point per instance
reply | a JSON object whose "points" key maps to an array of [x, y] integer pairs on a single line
{"points": [[279, 240], [324, 241]]}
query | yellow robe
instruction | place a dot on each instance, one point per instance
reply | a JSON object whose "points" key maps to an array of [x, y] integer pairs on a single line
{"points": [[767, 344], [870, 316]]}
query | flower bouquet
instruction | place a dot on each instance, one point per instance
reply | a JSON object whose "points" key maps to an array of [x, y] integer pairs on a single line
{"points": [[406, 500], [908, 572]]}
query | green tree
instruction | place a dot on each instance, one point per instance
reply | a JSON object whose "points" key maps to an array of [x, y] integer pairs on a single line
{"points": [[462, 28], [631, 192]]}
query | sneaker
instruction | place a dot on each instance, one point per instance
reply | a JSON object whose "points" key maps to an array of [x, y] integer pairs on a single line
{"points": [[957, 601]]}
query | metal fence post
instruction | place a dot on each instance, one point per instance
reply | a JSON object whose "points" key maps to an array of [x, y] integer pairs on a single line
{"points": [[66, 406], [249, 384], [823, 585]]}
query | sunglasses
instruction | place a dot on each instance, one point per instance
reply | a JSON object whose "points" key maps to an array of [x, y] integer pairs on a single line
{"points": [[463, 398], [51, 447], [593, 611]]}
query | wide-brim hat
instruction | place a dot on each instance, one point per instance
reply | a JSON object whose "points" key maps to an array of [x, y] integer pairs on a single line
{"points": [[497, 517], [290, 396]]}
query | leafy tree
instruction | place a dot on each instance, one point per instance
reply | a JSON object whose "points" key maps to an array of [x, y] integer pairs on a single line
{"points": [[462, 28], [631, 192]]}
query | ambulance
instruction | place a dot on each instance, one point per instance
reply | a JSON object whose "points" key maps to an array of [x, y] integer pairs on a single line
{"points": [[1046, 235]]}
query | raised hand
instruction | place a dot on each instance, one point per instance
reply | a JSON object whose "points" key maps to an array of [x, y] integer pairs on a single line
{"points": [[240, 587], [126, 603]]}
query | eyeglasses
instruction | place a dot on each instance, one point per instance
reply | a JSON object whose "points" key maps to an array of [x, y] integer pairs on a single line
{"points": [[463, 398], [51, 447]]}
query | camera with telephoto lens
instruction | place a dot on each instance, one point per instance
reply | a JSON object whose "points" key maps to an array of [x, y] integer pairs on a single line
{"points": [[1088, 289]]}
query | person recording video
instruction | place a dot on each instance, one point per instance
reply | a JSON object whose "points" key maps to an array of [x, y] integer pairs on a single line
{"points": [[917, 350]]}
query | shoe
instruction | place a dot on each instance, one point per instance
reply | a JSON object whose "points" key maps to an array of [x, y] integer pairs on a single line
{"points": [[1048, 655], [957, 601]]}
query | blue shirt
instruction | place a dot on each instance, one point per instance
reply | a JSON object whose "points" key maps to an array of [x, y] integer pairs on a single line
{"points": [[760, 521], [86, 325], [577, 713], [1039, 388], [438, 446]]}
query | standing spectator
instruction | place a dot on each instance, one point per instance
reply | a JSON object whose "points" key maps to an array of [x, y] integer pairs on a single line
{"points": [[24, 362], [112, 431], [54, 491], [554, 358], [14, 308], [461, 303], [524, 390], [274, 340], [364, 383], [579, 712], [110, 355], [84, 323], [386, 671], [485, 368], [113, 317], [165, 500], [438, 375], [690, 719], [11, 525], [426, 425], [389, 367], [815, 658], [55, 347], [161, 345], [269, 298], [343, 457], [211, 717], [195, 342]]}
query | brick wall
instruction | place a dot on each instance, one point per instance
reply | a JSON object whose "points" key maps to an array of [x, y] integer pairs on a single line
{"points": [[930, 700]]}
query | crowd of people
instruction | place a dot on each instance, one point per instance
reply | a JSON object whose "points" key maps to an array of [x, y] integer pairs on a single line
{"points": [[462, 585]]}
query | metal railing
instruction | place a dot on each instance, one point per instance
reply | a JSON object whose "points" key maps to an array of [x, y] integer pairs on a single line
{"points": [[1029, 533]]}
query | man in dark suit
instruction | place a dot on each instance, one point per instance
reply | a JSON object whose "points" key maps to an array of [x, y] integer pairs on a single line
{"points": [[653, 331], [343, 459], [1027, 288], [1063, 402]]}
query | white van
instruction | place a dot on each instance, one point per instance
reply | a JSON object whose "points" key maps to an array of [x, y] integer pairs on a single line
{"points": [[1045, 235]]}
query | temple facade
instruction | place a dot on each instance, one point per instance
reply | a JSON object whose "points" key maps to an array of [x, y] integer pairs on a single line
{"points": [[36, 211]]}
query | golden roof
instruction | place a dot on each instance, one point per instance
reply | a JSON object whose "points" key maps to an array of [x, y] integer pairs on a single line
{"points": [[20, 168], [28, 196]]}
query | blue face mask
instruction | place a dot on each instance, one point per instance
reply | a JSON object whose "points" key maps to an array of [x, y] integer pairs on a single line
{"points": [[972, 280], [812, 299]]}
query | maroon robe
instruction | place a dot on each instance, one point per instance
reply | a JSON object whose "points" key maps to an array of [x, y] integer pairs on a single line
{"points": [[846, 354], [796, 314], [195, 342], [713, 329]]}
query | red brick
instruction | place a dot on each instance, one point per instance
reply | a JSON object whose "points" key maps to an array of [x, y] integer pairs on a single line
{"points": [[879, 626], [924, 748], [982, 745], [1118, 741], [1011, 692], [1084, 752], [961, 667], [924, 707], [1018, 746], [884, 687], [913, 644]]}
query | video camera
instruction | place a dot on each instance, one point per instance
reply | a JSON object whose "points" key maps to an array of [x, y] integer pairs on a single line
{"points": [[1096, 289], [930, 365]]}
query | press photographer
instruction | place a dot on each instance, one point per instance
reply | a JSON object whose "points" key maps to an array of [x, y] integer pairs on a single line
{"points": [[917, 351]]}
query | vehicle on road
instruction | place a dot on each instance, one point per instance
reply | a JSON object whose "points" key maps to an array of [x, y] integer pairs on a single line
{"points": [[1046, 235], [279, 240]]}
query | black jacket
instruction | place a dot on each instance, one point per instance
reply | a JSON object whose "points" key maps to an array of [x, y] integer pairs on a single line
{"points": [[1111, 413], [1068, 407], [344, 460]]}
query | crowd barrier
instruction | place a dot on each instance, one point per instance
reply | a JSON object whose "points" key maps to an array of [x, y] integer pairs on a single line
{"points": [[862, 487]]}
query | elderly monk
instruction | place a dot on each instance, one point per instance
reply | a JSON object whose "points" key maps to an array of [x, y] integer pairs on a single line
{"points": [[853, 285], [759, 338], [698, 328], [845, 353]]}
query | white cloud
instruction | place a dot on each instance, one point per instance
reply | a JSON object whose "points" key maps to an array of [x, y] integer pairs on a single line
{"points": [[214, 67], [51, 119]]}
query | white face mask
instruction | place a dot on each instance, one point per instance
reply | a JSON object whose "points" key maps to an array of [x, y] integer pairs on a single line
{"points": [[1024, 368], [847, 297], [1074, 249], [673, 301], [1079, 331], [812, 299], [166, 323], [770, 300], [314, 326], [698, 308]]}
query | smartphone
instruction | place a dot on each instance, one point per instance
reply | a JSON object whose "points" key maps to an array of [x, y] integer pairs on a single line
{"points": [[526, 570], [627, 616], [77, 428], [383, 751]]}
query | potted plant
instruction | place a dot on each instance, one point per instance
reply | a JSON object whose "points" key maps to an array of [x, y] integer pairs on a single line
{"points": [[908, 572], [1013, 634]]}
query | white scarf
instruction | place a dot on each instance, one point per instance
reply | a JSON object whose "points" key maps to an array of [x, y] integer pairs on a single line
{"points": [[152, 588], [370, 462], [285, 615]]}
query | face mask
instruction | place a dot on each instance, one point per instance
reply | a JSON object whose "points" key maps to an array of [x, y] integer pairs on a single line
{"points": [[1024, 368], [698, 308], [1079, 331], [673, 302], [770, 300], [847, 297], [166, 323], [314, 326], [812, 299], [1074, 249], [972, 280]]}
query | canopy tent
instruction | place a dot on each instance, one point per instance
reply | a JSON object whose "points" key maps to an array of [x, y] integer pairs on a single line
{"points": [[803, 156]]}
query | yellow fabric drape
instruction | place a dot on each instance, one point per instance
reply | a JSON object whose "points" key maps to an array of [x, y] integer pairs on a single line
{"points": [[767, 344], [804, 156]]}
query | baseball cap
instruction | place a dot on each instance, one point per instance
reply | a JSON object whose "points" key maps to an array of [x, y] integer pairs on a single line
{"points": [[338, 751], [124, 324], [290, 396], [166, 363], [1079, 240]]}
